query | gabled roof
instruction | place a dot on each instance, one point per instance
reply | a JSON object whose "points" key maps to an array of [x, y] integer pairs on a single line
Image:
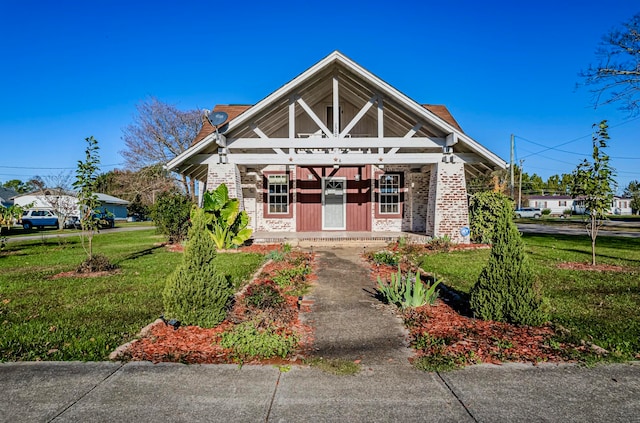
{"points": [[438, 116], [232, 110], [7, 193]]}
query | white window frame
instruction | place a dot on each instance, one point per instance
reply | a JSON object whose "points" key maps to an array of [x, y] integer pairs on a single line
{"points": [[279, 180], [384, 192]]}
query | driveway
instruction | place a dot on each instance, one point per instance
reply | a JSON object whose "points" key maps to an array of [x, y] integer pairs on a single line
{"points": [[48, 235], [631, 230]]}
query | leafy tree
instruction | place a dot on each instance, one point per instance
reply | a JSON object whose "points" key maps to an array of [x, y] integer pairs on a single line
{"points": [[228, 225], [484, 209], [143, 185], [9, 216], [197, 293], [85, 184], [159, 133], [171, 215], [18, 186], [593, 184], [633, 191], [616, 76], [505, 290]]}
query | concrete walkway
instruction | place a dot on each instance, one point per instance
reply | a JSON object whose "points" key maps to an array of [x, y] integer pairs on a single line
{"points": [[349, 322]]}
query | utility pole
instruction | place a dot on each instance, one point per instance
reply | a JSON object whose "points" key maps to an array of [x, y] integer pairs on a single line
{"points": [[511, 164], [520, 187]]}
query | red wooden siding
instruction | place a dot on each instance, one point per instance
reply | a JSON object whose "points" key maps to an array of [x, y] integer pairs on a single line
{"points": [[309, 196]]}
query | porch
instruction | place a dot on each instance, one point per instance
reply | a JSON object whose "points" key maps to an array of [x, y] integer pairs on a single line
{"points": [[307, 239]]}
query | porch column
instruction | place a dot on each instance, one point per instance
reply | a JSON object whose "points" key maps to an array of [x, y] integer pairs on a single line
{"points": [[448, 208], [228, 174]]}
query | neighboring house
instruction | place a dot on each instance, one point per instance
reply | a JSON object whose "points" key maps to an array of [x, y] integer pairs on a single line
{"points": [[6, 195], [114, 205], [50, 201], [338, 149], [556, 203]]}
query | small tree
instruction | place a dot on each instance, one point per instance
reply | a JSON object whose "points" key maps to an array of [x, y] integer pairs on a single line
{"points": [[196, 293], [86, 175], [170, 213], [505, 290], [593, 183], [632, 191], [484, 209]]}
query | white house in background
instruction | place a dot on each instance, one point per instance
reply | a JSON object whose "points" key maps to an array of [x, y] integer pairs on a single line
{"points": [[559, 203], [47, 200], [339, 149], [556, 203]]}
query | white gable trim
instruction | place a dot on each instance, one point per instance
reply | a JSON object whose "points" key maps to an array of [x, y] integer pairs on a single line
{"points": [[380, 86]]}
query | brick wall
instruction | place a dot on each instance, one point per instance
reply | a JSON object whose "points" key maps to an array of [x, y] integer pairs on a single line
{"points": [[228, 174], [448, 208], [269, 224]]}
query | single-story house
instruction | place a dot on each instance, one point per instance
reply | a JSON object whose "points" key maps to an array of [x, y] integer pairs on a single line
{"points": [[339, 149], [6, 195], [558, 203], [49, 200]]}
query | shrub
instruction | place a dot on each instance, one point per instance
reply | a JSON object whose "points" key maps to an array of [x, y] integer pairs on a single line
{"points": [[406, 292], [546, 212], [505, 290], [170, 214], [227, 223], [566, 212], [484, 208], [386, 257], [196, 293], [248, 341], [275, 255], [97, 263], [263, 296]]}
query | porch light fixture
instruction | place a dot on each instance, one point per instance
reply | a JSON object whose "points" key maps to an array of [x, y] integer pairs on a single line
{"points": [[357, 177], [310, 177]]}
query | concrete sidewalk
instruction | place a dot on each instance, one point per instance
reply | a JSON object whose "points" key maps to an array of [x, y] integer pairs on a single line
{"points": [[144, 392]]}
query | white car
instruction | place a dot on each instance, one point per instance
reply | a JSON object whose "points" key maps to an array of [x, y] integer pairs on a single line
{"points": [[528, 212], [39, 219]]}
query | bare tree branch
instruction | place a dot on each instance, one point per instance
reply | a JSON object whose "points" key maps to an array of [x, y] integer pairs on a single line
{"points": [[159, 133], [616, 78]]}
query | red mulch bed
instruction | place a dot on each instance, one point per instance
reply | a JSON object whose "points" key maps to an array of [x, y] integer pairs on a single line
{"points": [[471, 341], [192, 344], [253, 248], [590, 267]]}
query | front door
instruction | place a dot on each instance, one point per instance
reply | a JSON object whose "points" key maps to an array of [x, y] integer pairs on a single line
{"points": [[334, 196]]}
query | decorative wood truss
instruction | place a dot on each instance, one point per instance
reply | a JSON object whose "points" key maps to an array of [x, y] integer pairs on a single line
{"points": [[289, 127]]}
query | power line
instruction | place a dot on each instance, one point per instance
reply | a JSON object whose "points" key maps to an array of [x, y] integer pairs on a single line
{"points": [[546, 148], [53, 168]]}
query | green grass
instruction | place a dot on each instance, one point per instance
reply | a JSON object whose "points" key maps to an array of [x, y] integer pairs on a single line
{"points": [[598, 307], [335, 366], [74, 318]]}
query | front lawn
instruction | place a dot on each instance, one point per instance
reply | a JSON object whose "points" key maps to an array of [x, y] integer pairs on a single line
{"points": [[74, 318], [597, 307]]}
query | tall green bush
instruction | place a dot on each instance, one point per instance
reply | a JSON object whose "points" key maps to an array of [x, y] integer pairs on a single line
{"points": [[196, 293], [170, 213], [484, 209], [506, 289]]}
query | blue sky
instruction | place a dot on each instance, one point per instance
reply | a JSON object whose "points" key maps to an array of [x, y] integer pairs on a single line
{"points": [[72, 69]]}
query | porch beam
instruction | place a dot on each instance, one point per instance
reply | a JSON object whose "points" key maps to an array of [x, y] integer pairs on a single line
{"points": [[359, 116], [259, 132], [319, 142], [315, 118], [380, 116], [344, 159], [336, 107], [413, 130]]}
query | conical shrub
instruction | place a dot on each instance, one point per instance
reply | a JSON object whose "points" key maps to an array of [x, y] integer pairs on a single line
{"points": [[196, 293], [506, 290]]}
